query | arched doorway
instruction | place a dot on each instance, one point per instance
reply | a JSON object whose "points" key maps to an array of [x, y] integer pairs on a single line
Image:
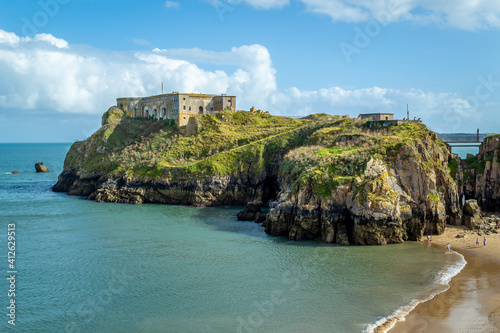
{"points": [[147, 113], [200, 110]]}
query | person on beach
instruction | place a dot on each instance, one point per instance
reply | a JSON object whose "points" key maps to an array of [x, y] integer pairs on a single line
{"points": [[484, 241], [477, 241], [429, 238], [448, 248]]}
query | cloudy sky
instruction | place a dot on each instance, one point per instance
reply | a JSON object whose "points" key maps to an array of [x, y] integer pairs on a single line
{"points": [[64, 62]]}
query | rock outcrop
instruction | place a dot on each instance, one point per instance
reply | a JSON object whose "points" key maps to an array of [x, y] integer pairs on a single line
{"points": [[481, 175], [402, 195], [40, 167], [472, 217], [15, 172], [251, 212]]}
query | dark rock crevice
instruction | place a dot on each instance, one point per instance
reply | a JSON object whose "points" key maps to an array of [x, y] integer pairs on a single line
{"points": [[270, 189]]}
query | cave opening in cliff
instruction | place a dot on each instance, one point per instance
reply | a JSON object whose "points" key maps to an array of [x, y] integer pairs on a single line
{"points": [[270, 189]]}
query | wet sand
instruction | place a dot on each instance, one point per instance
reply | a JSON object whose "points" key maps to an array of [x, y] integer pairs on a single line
{"points": [[472, 304]]}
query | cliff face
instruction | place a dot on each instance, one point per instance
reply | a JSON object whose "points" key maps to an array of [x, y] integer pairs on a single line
{"points": [[481, 175], [381, 190], [328, 178]]}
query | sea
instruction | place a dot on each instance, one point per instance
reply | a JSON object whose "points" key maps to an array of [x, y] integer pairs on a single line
{"points": [[463, 151], [74, 265]]}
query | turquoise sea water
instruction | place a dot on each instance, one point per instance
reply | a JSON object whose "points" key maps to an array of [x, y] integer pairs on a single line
{"points": [[96, 267], [463, 151]]}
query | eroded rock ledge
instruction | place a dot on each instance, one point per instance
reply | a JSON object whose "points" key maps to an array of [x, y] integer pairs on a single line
{"points": [[393, 200]]}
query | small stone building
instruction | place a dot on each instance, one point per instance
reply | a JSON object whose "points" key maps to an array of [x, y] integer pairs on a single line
{"points": [[177, 106], [376, 116]]}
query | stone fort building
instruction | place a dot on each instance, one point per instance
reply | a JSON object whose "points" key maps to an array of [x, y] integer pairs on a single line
{"points": [[177, 106], [376, 116]]}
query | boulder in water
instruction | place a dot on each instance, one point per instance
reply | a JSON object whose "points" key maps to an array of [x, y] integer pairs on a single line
{"points": [[250, 211], [15, 172], [260, 217], [41, 168]]}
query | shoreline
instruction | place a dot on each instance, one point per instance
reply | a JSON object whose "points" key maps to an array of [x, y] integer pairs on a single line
{"points": [[472, 301]]}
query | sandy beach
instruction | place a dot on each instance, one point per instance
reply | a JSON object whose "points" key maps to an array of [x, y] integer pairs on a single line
{"points": [[472, 303]]}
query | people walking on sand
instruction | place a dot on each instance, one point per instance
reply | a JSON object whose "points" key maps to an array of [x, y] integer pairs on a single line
{"points": [[484, 241], [448, 248], [477, 241]]}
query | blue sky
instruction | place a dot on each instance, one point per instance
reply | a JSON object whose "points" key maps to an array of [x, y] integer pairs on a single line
{"points": [[64, 62]]}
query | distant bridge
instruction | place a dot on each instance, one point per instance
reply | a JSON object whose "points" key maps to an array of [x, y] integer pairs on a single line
{"points": [[463, 139]]}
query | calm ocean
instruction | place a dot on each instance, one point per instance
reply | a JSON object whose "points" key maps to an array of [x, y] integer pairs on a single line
{"points": [[83, 266]]}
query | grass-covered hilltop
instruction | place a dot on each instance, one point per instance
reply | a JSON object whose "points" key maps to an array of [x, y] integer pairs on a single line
{"points": [[328, 178]]}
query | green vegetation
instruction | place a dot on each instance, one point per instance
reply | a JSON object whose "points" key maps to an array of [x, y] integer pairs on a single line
{"points": [[222, 144], [475, 164], [97, 154], [493, 136], [453, 168], [434, 197], [340, 150]]}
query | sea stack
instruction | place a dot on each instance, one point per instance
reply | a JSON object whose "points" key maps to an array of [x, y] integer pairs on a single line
{"points": [[41, 168]]}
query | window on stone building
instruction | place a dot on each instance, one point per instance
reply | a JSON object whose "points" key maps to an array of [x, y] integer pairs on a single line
{"points": [[189, 108], [184, 107]]}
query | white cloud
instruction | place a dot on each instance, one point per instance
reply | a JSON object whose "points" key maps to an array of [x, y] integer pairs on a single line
{"points": [[8, 37], [463, 14], [172, 4], [447, 111], [45, 73], [12, 39], [57, 42]]}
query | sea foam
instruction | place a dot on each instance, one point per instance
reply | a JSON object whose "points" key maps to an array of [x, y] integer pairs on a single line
{"points": [[442, 278]]}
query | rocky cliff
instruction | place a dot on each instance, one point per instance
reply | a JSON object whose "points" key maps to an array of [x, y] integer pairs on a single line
{"points": [[481, 175], [229, 159], [367, 187], [327, 178]]}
